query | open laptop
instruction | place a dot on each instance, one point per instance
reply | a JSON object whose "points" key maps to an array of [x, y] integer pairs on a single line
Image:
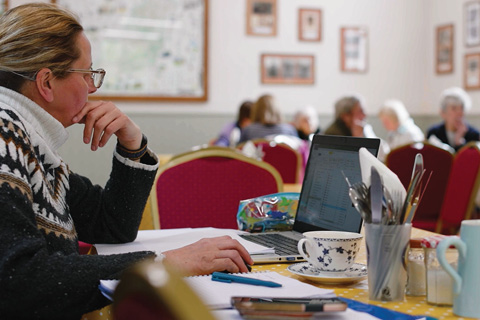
{"points": [[324, 202]]}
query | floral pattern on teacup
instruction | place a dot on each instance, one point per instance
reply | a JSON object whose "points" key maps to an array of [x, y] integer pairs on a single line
{"points": [[348, 254]]}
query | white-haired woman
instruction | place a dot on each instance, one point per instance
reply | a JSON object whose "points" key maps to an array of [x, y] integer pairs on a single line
{"points": [[400, 126], [454, 130], [306, 122]]}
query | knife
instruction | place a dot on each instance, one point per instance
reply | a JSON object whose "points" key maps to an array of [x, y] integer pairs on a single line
{"points": [[413, 188], [376, 194]]}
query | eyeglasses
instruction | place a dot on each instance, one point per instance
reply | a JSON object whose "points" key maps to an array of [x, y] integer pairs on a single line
{"points": [[96, 75]]}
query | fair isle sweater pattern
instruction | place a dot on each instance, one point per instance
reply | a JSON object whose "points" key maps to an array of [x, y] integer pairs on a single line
{"points": [[31, 166], [44, 208]]}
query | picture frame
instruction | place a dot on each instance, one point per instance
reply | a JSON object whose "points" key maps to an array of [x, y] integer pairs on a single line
{"points": [[310, 25], [287, 69], [354, 49], [472, 71], [168, 70], [444, 49], [472, 23], [262, 17]]}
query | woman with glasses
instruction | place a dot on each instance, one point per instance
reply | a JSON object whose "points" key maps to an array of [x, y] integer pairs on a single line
{"points": [[46, 76]]}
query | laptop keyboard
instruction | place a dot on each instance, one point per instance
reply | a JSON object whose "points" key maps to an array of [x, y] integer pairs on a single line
{"points": [[282, 245]]}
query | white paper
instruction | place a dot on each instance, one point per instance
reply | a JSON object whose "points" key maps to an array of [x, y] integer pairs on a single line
{"points": [[232, 314], [389, 179], [217, 295], [169, 239]]}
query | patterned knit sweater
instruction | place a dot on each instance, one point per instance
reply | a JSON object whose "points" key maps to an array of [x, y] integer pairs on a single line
{"points": [[45, 209]]}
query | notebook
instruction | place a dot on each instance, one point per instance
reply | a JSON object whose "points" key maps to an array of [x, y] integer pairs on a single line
{"points": [[324, 202], [217, 295]]}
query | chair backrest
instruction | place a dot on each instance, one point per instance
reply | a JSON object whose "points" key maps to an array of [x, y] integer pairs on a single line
{"points": [[283, 157], [151, 291], [462, 188], [84, 248], [436, 160], [203, 188]]}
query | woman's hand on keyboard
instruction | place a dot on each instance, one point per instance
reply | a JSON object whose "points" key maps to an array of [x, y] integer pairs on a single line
{"points": [[209, 255]]}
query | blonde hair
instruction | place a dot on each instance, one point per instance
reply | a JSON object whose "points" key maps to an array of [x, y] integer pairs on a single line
{"points": [[264, 111], [35, 36]]}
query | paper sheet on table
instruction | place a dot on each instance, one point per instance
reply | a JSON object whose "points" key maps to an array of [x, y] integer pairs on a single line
{"points": [[293, 286], [168, 239], [218, 295], [390, 180]]}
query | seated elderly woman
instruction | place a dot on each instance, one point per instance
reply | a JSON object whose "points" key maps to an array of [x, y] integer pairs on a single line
{"points": [[454, 130], [400, 126], [306, 122]]}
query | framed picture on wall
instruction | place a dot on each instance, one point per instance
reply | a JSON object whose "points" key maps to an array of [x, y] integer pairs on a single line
{"points": [[310, 24], [262, 17], [444, 45], [472, 23], [472, 71], [287, 69], [142, 60], [354, 49]]}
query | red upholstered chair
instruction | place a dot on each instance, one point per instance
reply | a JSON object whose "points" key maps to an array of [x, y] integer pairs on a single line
{"points": [[436, 160], [283, 157], [84, 248], [152, 291], [203, 188], [459, 201]]}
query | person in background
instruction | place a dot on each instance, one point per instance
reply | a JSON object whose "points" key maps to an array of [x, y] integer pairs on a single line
{"points": [[266, 121], [400, 126], [231, 132], [350, 121], [306, 122], [349, 118], [46, 76], [454, 130]]}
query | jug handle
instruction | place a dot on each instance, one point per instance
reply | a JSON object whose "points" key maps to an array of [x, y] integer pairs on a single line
{"points": [[462, 252]]}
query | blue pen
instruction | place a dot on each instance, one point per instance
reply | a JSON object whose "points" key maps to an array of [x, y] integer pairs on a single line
{"points": [[229, 278]]}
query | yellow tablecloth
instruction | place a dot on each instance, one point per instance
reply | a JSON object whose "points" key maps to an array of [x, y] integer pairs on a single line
{"points": [[358, 291]]}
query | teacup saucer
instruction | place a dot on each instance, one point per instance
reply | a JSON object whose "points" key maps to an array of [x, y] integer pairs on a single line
{"points": [[356, 273]]}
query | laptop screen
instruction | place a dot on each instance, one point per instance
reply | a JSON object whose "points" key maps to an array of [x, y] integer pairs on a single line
{"points": [[324, 201]]}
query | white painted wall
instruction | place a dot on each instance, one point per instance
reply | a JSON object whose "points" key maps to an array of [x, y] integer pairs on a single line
{"points": [[443, 12], [396, 55], [401, 65]]}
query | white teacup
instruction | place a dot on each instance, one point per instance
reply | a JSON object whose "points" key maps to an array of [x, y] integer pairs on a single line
{"points": [[330, 251]]}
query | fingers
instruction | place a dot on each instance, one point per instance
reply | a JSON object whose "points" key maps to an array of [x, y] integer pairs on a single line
{"points": [[230, 243], [104, 119], [92, 116], [94, 123], [209, 255], [231, 261]]}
